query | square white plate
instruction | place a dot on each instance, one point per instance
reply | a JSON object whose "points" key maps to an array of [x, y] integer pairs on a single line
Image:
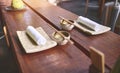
{"points": [[30, 46]]}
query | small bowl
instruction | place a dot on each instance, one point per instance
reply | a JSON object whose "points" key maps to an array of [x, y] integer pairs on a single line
{"points": [[60, 39], [66, 26]]}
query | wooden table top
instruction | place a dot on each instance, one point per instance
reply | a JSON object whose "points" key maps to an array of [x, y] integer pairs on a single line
{"points": [[60, 59], [108, 42]]}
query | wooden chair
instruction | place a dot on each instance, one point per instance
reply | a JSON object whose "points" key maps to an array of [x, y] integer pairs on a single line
{"points": [[98, 60], [101, 6], [98, 63], [1, 23]]}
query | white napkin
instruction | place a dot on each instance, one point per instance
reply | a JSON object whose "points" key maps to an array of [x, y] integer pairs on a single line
{"points": [[89, 23], [35, 35]]}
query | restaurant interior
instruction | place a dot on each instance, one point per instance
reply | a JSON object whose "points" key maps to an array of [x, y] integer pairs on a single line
{"points": [[86, 51]]}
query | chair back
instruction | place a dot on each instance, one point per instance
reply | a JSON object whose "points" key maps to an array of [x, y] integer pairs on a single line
{"points": [[98, 60]]}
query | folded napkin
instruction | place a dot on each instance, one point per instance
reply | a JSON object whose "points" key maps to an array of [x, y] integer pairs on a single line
{"points": [[35, 35], [88, 23]]}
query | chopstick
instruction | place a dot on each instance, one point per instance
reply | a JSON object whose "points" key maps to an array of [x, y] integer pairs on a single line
{"points": [[76, 25], [66, 20], [61, 34]]}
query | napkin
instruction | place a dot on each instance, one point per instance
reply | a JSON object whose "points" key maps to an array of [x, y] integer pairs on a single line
{"points": [[35, 35], [88, 23]]}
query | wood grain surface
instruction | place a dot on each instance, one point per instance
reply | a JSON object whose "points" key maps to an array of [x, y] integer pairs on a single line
{"points": [[60, 59], [108, 42]]}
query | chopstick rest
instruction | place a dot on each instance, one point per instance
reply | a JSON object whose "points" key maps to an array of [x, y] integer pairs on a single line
{"points": [[88, 23], [35, 35]]}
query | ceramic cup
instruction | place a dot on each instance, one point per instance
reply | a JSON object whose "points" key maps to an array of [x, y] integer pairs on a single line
{"points": [[60, 39], [66, 26]]}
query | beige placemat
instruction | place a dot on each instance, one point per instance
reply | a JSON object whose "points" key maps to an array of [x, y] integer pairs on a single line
{"points": [[30, 46]]}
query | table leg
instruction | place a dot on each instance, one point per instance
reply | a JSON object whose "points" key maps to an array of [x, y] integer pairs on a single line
{"points": [[101, 6], [86, 7]]}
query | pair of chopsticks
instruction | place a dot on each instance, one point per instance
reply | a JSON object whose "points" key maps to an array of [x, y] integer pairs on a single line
{"points": [[61, 34], [76, 25], [66, 20], [64, 36]]}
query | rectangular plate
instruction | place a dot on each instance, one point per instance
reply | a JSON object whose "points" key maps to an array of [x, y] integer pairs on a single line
{"points": [[102, 29], [30, 46]]}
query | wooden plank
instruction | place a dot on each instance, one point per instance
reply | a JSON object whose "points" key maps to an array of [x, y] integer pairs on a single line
{"points": [[108, 42], [98, 59], [60, 59]]}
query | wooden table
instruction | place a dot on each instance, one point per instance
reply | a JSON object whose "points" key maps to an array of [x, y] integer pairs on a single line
{"points": [[60, 59], [108, 42]]}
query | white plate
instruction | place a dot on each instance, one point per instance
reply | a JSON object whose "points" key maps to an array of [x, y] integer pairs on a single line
{"points": [[30, 46], [12, 9], [102, 29]]}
